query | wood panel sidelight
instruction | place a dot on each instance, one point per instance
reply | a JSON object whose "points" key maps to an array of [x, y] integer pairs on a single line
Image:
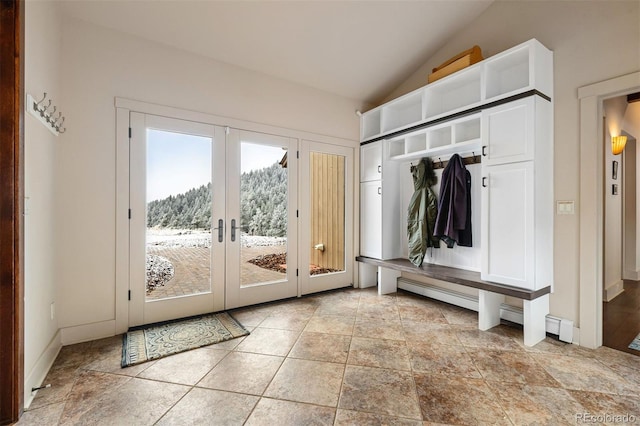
{"points": [[327, 210], [11, 221]]}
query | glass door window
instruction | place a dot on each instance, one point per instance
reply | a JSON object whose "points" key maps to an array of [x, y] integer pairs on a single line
{"points": [[178, 209]]}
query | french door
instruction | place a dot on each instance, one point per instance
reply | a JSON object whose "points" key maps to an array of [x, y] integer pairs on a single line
{"points": [[261, 218], [213, 221]]}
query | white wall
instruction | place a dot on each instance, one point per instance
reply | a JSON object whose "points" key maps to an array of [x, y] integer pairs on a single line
{"points": [[100, 64], [42, 65], [592, 41]]}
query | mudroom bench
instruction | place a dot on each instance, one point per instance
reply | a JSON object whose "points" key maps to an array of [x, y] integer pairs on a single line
{"points": [[490, 295]]}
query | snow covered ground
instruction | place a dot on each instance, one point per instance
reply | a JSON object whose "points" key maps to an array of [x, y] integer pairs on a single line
{"points": [[193, 238]]}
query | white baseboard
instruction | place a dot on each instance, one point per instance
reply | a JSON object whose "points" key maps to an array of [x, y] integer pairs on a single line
{"points": [[87, 332], [554, 325], [613, 290], [37, 375], [630, 274]]}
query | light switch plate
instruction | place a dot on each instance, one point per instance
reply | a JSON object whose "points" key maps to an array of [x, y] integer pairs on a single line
{"points": [[565, 207]]}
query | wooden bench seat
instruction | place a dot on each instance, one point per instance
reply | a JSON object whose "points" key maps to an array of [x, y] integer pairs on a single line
{"points": [[490, 295]]}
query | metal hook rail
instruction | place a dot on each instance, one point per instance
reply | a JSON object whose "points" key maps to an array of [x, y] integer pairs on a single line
{"points": [[46, 113]]}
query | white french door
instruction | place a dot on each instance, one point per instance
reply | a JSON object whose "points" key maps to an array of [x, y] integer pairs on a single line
{"points": [[177, 184], [213, 221], [261, 218]]}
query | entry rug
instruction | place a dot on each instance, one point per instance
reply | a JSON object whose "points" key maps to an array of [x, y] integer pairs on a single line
{"points": [[636, 343], [159, 340]]}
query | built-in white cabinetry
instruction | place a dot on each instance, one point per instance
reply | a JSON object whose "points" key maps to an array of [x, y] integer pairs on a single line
{"points": [[517, 194], [379, 221], [523, 68], [500, 108]]}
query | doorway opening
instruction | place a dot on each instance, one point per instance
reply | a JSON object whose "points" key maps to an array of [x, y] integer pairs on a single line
{"points": [[592, 204], [621, 268]]}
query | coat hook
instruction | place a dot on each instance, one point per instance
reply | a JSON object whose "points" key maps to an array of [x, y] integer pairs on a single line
{"points": [[58, 125], [36, 105], [43, 111]]}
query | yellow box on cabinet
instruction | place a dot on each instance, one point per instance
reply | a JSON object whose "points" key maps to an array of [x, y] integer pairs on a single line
{"points": [[458, 62]]}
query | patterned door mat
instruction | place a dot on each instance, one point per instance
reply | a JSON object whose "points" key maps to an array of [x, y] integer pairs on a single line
{"points": [[636, 343], [141, 344]]}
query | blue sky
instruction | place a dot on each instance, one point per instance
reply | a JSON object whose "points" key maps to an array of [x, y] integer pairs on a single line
{"points": [[178, 162]]}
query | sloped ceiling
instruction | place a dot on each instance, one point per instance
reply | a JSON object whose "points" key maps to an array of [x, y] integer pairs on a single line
{"points": [[357, 49]]}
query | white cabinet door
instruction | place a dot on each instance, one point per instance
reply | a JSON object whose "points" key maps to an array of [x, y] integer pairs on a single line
{"points": [[371, 162], [507, 232], [371, 219], [508, 132]]}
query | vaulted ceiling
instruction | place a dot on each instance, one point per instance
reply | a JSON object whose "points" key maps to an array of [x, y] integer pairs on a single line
{"points": [[357, 49]]}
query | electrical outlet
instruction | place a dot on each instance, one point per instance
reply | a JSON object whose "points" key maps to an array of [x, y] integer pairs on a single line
{"points": [[53, 310]]}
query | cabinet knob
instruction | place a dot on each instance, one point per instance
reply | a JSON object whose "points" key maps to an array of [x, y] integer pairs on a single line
{"points": [[379, 190], [484, 150], [379, 168], [484, 181]]}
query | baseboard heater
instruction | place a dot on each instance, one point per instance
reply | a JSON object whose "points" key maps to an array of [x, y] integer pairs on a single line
{"points": [[557, 326]]}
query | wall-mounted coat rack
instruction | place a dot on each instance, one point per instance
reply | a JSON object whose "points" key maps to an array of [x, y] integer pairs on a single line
{"points": [[45, 112], [439, 164]]}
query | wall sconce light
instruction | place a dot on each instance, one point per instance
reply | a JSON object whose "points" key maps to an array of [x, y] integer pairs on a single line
{"points": [[617, 144]]}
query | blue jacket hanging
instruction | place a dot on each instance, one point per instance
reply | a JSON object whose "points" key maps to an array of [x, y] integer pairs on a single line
{"points": [[453, 223]]}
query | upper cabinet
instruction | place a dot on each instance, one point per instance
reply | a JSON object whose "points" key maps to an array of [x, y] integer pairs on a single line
{"points": [[523, 68], [509, 132], [371, 162]]}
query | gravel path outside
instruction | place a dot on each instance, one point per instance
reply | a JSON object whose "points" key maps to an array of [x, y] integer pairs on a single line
{"points": [[192, 270]]}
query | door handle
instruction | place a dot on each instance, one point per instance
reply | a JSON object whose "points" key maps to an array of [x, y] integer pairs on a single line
{"points": [[484, 150], [233, 229], [380, 169], [379, 190], [484, 182], [220, 229]]}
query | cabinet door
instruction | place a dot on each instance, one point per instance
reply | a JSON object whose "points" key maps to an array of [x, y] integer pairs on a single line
{"points": [[507, 231], [371, 162], [371, 219], [508, 132]]}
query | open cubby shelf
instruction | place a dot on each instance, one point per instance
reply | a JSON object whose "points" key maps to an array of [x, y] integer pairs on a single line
{"points": [[456, 136], [520, 69]]}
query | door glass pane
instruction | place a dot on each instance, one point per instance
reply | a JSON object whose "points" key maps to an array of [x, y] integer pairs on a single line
{"points": [[327, 213], [178, 195], [263, 214]]}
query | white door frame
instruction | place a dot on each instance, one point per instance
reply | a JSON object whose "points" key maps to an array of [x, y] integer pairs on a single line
{"points": [[123, 108], [591, 201]]}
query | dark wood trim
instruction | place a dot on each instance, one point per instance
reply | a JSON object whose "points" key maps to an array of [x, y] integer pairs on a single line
{"points": [[456, 276], [458, 115], [11, 221]]}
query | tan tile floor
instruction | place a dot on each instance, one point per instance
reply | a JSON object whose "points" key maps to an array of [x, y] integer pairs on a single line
{"points": [[348, 357]]}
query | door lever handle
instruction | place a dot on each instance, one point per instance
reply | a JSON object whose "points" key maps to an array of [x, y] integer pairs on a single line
{"points": [[220, 229], [233, 229]]}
